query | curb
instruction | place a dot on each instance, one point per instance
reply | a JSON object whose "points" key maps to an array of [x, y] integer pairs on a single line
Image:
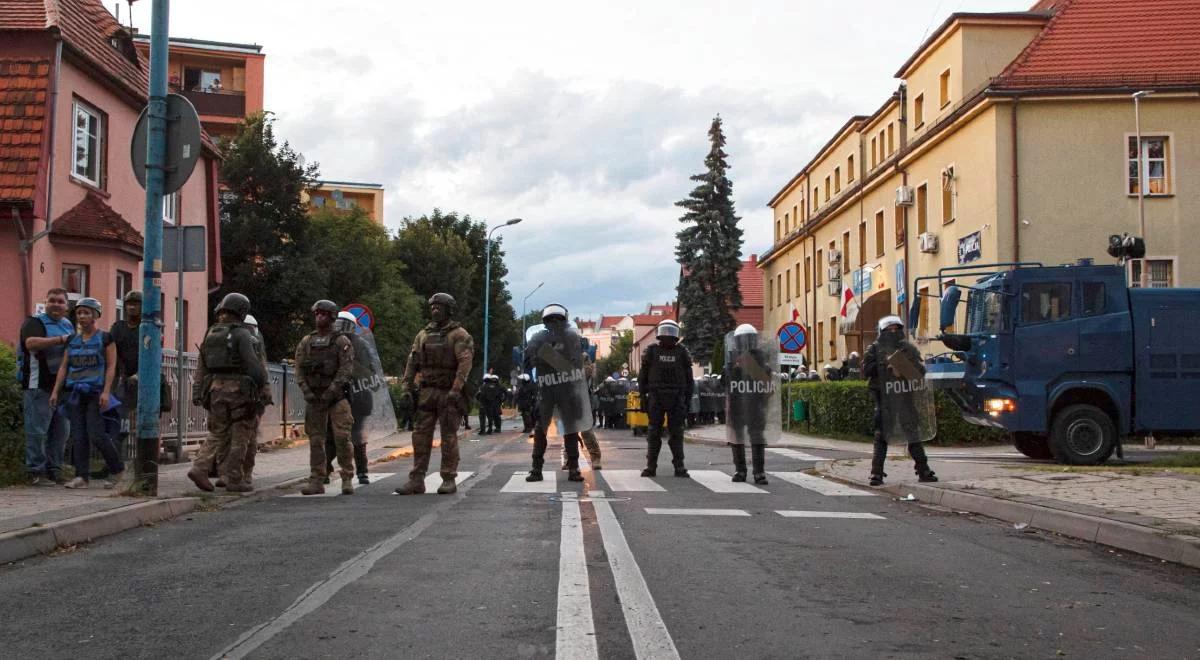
{"points": [[1177, 548], [32, 541]]}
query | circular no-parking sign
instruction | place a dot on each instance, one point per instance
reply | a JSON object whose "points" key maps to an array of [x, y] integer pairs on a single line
{"points": [[792, 338], [362, 314]]}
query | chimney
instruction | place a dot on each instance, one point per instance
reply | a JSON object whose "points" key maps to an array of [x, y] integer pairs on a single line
{"points": [[753, 259]]}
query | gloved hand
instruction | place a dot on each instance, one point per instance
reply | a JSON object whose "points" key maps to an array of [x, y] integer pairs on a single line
{"points": [[330, 395], [406, 398], [310, 396], [454, 398]]}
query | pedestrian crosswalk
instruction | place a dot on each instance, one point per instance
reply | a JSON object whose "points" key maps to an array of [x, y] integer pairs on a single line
{"points": [[792, 453], [432, 482], [716, 481]]}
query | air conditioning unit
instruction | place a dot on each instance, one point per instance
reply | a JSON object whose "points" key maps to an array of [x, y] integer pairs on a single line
{"points": [[835, 256], [928, 242], [948, 176], [835, 287], [904, 196], [833, 272]]}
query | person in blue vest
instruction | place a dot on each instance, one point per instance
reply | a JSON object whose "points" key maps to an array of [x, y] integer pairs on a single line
{"points": [[44, 339], [86, 378]]}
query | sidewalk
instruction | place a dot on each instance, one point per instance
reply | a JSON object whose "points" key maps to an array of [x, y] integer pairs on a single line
{"points": [[715, 434], [39, 519]]}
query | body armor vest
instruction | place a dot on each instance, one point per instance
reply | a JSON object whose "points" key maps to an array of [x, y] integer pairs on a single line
{"points": [[220, 354], [438, 362], [85, 363], [321, 363]]}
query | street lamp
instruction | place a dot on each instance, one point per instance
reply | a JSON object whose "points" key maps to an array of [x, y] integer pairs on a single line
{"points": [[487, 288], [1144, 279], [535, 290]]}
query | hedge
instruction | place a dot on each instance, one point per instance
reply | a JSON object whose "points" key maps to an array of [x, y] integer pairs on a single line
{"points": [[844, 409], [12, 435]]}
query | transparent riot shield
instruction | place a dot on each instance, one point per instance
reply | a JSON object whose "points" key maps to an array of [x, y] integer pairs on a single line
{"points": [[752, 406], [370, 400], [906, 405], [561, 378]]}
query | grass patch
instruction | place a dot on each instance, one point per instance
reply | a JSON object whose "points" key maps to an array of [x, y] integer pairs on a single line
{"points": [[1188, 463]]}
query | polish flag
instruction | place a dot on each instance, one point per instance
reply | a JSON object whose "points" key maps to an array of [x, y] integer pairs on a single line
{"points": [[849, 311], [795, 312]]}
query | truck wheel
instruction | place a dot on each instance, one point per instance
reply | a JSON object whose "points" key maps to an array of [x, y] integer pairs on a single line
{"points": [[1033, 445], [1082, 435]]}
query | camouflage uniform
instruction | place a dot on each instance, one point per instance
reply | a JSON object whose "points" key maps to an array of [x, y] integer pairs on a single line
{"points": [[229, 382], [440, 363], [265, 398], [324, 364]]}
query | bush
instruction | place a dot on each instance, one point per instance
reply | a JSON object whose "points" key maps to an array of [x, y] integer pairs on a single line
{"points": [[845, 409], [12, 435]]}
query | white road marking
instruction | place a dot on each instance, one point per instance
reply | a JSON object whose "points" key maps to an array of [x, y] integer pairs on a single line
{"points": [[829, 514], [334, 488], [719, 482], [651, 640], [792, 453], [517, 483], [432, 481], [630, 481], [822, 486], [576, 633], [697, 512]]}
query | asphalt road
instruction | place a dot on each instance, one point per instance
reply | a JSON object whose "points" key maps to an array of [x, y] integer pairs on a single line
{"points": [[610, 569]]}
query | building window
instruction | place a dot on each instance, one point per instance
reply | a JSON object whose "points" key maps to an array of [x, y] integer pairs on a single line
{"points": [[1043, 302], [770, 293], [796, 213], [778, 230], [901, 225], [788, 278], [949, 195], [1162, 273], [919, 111], [846, 252], [820, 268], [944, 88], [833, 337], [862, 243], [837, 179], [816, 199], [797, 279], [891, 140], [807, 270], [879, 234], [200, 80], [75, 280], [778, 290], [124, 286], [882, 155], [922, 208], [1156, 165], [171, 208], [88, 143], [820, 341], [874, 152], [827, 188], [850, 168], [318, 201]]}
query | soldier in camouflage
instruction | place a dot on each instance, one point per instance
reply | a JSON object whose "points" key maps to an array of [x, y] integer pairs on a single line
{"points": [[228, 384], [324, 364], [440, 363]]}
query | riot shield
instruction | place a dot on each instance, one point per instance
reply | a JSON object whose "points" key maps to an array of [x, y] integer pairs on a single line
{"points": [[752, 406], [561, 379], [907, 409], [370, 400]]}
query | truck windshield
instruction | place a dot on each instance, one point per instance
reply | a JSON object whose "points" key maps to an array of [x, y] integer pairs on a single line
{"points": [[985, 312]]}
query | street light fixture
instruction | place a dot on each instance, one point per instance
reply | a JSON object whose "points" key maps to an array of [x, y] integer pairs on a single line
{"points": [[1144, 278], [487, 287], [525, 300]]}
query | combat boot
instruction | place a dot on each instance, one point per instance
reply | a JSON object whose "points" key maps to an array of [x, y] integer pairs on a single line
{"points": [[363, 479], [574, 475], [448, 487], [739, 463], [347, 485], [758, 454], [313, 487], [876, 480], [239, 488], [682, 473], [534, 475], [650, 472], [200, 479], [413, 486], [927, 476]]}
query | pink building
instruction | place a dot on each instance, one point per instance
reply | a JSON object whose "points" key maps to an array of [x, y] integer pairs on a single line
{"points": [[71, 87]]}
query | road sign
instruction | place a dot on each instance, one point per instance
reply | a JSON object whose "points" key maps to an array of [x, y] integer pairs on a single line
{"points": [[790, 359], [183, 143], [194, 250], [792, 338], [362, 314]]}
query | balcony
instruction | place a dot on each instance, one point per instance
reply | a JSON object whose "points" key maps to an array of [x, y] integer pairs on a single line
{"points": [[223, 103]]}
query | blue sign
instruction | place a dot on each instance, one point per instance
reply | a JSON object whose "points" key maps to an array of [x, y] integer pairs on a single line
{"points": [[862, 281], [900, 275], [362, 314], [792, 337]]}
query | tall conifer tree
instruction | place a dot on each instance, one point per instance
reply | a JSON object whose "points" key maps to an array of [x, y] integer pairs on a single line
{"points": [[709, 252]]}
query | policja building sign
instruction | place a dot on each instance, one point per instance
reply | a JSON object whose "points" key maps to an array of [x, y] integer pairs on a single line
{"points": [[969, 248]]}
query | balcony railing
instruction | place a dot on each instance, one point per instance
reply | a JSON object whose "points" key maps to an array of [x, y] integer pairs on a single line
{"points": [[223, 103]]}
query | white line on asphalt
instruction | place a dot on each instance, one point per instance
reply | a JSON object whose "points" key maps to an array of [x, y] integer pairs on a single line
{"points": [[350, 571], [696, 512], [517, 483], [822, 486], [630, 481], [334, 488], [432, 481], [792, 453], [576, 635], [829, 514], [651, 640], [719, 482]]}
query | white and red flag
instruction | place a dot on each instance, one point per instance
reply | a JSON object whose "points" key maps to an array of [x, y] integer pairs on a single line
{"points": [[849, 312]]}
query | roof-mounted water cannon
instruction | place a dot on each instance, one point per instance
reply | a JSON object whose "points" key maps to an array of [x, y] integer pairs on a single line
{"points": [[1124, 247]]}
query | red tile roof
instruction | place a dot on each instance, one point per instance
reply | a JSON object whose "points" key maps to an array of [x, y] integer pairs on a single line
{"points": [[750, 282], [751, 315], [609, 321], [1105, 43], [23, 87], [94, 220], [651, 319]]}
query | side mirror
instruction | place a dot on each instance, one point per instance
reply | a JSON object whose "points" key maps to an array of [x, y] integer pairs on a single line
{"points": [[949, 307]]}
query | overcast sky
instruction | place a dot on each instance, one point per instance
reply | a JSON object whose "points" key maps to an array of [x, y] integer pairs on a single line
{"points": [[585, 119]]}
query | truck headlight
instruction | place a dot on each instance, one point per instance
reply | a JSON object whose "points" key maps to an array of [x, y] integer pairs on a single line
{"points": [[996, 406]]}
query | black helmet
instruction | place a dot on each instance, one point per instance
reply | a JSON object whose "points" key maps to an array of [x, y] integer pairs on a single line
{"points": [[235, 303], [133, 296], [325, 306], [443, 299]]}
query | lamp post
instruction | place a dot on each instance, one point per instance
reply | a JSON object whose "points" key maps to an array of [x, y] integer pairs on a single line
{"points": [[487, 287], [525, 300], [1144, 277]]}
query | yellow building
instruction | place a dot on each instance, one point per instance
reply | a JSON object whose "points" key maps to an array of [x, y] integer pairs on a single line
{"points": [[345, 195], [1011, 137]]}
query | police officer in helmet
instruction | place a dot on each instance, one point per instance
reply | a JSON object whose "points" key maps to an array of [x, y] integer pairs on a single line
{"points": [[665, 385], [228, 383], [875, 365]]}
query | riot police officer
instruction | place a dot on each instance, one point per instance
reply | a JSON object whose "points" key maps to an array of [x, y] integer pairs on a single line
{"points": [[665, 385], [562, 388], [324, 365], [441, 362], [526, 402], [752, 398], [878, 370], [362, 403], [228, 385]]}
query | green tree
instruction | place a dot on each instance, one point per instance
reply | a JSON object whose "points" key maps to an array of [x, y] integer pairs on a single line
{"points": [[266, 253], [709, 251], [617, 357], [399, 315]]}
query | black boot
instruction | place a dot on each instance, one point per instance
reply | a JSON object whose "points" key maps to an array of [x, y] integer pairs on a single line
{"points": [[758, 454], [534, 475], [360, 463], [739, 462], [877, 479]]}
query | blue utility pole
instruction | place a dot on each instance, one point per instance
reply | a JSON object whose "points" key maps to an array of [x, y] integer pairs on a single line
{"points": [[150, 334], [487, 288]]}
